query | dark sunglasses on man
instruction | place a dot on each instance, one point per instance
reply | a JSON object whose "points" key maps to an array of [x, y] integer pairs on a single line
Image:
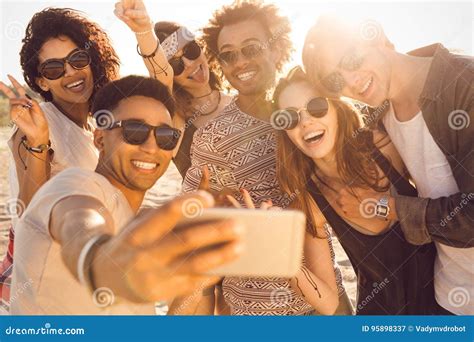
{"points": [[191, 51], [289, 118], [136, 132], [55, 68], [249, 51]]}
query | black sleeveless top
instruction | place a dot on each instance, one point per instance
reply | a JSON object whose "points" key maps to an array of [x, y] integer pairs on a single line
{"points": [[393, 276], [182, 160]]}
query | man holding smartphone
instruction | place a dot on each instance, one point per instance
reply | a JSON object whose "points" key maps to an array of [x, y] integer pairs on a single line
{"points": [[81, 248]]}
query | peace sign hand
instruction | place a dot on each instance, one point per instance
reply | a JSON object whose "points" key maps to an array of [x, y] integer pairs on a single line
{"points": [[26, 114], [134, 14]]}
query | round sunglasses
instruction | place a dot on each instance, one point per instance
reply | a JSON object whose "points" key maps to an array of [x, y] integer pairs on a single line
{"points": [[249, 51], [317, 107], [191, 51], [136, 132], [55, 68]]}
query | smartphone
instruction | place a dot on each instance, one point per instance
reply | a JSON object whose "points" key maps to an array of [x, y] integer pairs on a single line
{"points": [[272, 241]]}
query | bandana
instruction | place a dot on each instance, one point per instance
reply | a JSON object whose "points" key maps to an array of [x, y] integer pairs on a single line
{"points": [[176, 41]]}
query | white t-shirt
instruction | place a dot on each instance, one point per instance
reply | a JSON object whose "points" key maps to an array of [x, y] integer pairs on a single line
{"points": [[428, 166], [42, 284]]}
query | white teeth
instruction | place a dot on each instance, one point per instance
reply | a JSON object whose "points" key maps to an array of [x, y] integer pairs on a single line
{"points": [[246, 75], [366, 86], [144, 165], [312, 135], [75, 84]]}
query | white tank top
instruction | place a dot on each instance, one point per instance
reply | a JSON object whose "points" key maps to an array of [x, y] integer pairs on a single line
{"points": [[429, 168], [72, 145]]}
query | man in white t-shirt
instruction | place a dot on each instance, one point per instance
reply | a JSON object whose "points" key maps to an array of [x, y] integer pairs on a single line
{"points": [[428, 117], [81, 248]]}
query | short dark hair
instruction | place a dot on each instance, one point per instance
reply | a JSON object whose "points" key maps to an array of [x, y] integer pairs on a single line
{"points": [[109, 96], [268, 15], [86, 34]]}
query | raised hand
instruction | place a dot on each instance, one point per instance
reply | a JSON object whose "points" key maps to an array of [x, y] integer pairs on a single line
{"points": [[159, 260], [220, 196], [134, 14], [26, 114], [267, 205]]}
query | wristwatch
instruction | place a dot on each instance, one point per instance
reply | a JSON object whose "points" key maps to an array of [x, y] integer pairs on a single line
{"points": [[382, 209]]}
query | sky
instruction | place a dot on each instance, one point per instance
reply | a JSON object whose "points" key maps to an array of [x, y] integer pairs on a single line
{"points": [[407, 24]]}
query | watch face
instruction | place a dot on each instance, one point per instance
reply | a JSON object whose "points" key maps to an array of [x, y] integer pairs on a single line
{"points": [[381, 211]]}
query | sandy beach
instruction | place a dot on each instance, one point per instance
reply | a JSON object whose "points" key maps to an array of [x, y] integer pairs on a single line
{"points": [[167, 187]]}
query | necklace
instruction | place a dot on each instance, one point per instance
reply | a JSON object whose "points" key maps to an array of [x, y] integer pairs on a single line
{"points": [[201, 113], [200, 97]]}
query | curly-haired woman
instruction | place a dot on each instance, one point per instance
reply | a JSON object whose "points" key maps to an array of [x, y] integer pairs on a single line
{"points": [[65, 58]]}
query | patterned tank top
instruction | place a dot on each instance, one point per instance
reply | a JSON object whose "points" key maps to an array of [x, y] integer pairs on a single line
{"points": [[240, 152]]}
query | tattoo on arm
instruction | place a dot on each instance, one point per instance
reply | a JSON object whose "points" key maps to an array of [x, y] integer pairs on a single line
{"points": [[311, 280]]}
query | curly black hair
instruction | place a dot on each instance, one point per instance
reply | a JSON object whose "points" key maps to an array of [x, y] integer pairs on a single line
{"points": [[277, 26], [88, 35]]}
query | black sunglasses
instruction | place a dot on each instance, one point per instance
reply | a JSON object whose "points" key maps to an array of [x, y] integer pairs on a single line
{"points": [[191, 51], [136, 132], [55, 68], [289, 118], [249, 51]]}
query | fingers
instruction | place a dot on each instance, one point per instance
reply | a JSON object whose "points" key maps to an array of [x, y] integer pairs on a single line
{"points": [[135, 14], [233, 201], [204, 184], [205, 261], [146, 229], [266, 205], [7, 91], [18, 87], [247, 199], [199, 236]]}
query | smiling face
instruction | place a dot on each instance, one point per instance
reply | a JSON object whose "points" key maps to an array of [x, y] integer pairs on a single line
{"points": [[195, 74], [315, 137], [250, 76], [137, 167], [75, 86]]}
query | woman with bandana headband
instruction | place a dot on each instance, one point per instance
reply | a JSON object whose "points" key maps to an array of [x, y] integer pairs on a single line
{"points": [[173, 55]]}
